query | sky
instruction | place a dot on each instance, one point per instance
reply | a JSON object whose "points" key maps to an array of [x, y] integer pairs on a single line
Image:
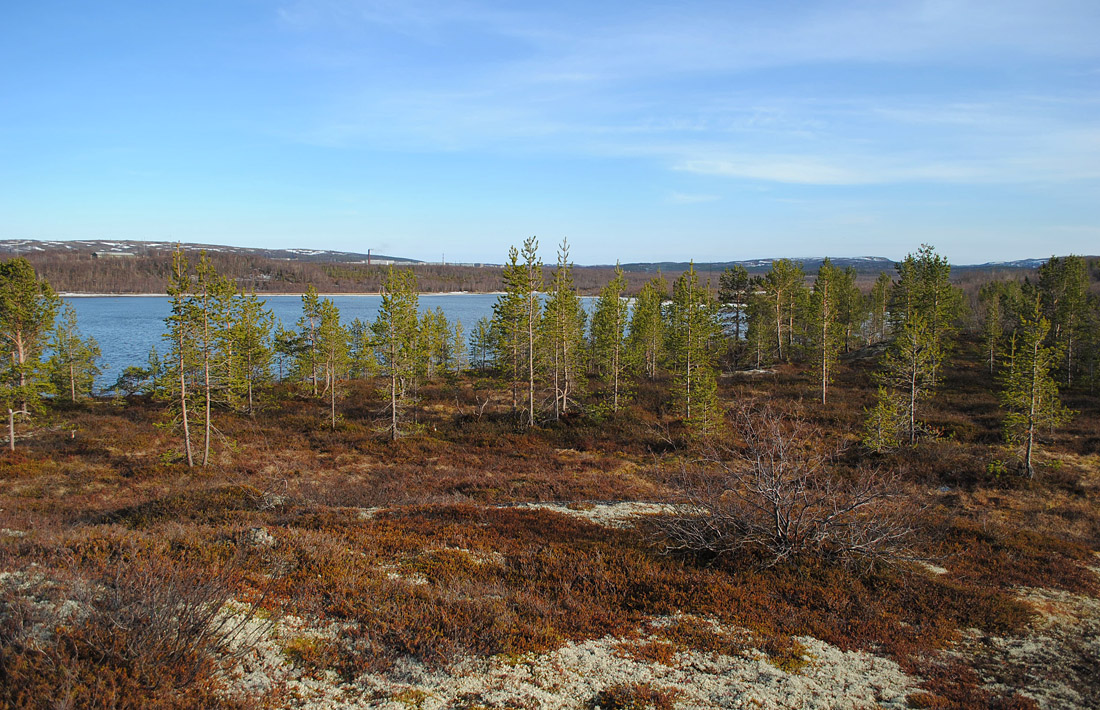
{"points": [[639, 131]]}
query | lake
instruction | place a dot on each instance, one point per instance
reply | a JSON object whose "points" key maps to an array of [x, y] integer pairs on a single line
{"points": [[128, 326]]}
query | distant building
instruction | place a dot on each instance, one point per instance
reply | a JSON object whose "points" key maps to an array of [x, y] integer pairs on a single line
{"points": [[112, 254]]}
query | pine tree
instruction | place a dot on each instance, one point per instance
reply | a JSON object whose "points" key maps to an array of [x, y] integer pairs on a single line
{"points": [[1030, 393], [435, 342], [482, 344], [693, 331], [646, 341], [308, 359], [332, 345], [28, 307], [924, 288], [884, 422], [852, 308], [361, 343], [827, 329], [1064, 284], [287, 350], [609, 335], [181, 337], [508, 323], [531, 314], [206, 303], [563, 326], [759, 334], [785, 288], [72, 364], [459, 360], [735, 286], [397, 340], [908, 370], [250, 333], [879, 306]]}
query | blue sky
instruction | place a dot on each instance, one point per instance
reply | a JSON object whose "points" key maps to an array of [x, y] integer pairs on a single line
{"points": [[639, 131]]}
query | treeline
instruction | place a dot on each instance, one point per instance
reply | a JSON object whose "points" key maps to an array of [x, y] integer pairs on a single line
{"points": [[552, 360], [81, 272]]}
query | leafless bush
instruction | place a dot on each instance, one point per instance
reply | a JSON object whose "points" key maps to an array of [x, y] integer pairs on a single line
{"points": [[777, 493], [129, 632]]}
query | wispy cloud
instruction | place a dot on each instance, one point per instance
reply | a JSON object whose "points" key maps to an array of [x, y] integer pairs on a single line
{"points": [[685, 198], [711, 89]]}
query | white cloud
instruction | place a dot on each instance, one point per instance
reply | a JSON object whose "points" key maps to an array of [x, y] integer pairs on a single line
{"points": [[684, 198]]}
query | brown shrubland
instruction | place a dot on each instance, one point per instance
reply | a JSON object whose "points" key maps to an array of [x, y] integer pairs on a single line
{"points": [[118, 557]]}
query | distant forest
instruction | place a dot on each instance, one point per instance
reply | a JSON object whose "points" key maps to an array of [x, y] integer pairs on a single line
{"points": [[79, 270]]}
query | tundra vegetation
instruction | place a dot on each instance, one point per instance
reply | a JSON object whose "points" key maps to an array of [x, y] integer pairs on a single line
{"points": [[894, 470]]}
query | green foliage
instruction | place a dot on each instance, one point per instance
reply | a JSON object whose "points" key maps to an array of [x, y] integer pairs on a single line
{"points": [[735, 287], [1030, 393], [693, 334], [562, 333], [361, 347], [398, 342], [785, 291], [646, 342], [878, 305], [72, 365], [883, 422], [307, 358], [909, 370], [924, 288], [332, 344], [435, 343], [609, 337], [248, 336], [28, 307], [1067, 305], [827, 331], [516, 316], [483, 345]]}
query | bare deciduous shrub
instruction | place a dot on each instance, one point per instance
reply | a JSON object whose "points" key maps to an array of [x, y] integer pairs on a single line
{"points": [[127, 633], [776, 493]]}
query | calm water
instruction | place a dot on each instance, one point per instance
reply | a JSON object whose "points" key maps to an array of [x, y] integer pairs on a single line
{"points": [[128, 326]]}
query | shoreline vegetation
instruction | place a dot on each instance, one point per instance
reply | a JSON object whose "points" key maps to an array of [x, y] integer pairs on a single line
{"points": [[775, 489]]}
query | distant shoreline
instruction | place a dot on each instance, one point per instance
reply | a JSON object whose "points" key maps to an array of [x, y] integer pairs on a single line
{"points": [[271, 294]]}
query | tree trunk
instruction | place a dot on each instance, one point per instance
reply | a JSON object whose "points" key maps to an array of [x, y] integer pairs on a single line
{"points": [[11, 430], [206, 378], [531, 360], [183, 402]]}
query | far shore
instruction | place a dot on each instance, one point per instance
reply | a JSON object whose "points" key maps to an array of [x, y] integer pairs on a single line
{"points": [[281, 293]]}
